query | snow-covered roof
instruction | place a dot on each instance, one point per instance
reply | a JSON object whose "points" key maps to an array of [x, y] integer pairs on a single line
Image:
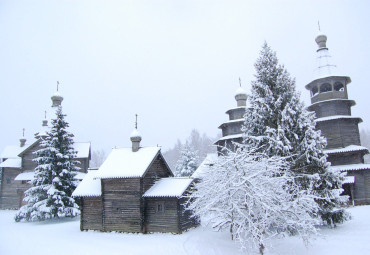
{"points": [[124, 163], [236, 108], [352, 167], [240, 91], [349, 148], [57, 94], [169, 187], [26, 176], [12, 151], [349, 179], [89, 186], [206, 164], [229, 137], [335, 117], [80, 176], [135, 133], [83, 149], [12, 162], [28, 146], [231, 121]]}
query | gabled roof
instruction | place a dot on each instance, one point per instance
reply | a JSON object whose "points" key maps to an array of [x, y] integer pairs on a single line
{"points": [[12, 151], [12, 163], [83, 149], [89, 187], [169, 187], [205, 166], [27, 148], [124, 163]]}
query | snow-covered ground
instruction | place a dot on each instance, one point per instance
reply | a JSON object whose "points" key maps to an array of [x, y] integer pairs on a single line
{"points": [[64, 237]]}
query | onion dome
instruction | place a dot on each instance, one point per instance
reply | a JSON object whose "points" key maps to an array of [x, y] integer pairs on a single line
{"points": [[135, 138], [22, 140], [56, 99]]}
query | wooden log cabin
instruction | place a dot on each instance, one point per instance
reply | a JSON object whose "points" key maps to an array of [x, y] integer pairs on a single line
{"points": [[134, 191], [18, 166]]}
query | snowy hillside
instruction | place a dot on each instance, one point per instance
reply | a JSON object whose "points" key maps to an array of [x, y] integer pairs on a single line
{"points": [[64, 237]]}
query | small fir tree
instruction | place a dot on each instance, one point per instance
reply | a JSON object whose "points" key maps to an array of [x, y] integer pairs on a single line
{"points": [[54, 182], [188, 162], [277, 123]]}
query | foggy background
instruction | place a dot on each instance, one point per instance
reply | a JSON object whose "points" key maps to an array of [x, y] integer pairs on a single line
{"points": [[174, 63]]}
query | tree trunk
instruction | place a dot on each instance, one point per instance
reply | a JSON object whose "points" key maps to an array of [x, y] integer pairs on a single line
{"points": [[262, 248]]}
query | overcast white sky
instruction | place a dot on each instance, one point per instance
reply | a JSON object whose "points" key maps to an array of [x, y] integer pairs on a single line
{"points": [[175, 63]]}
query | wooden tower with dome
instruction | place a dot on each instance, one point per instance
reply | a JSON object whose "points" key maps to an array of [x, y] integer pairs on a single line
{"points": [[232, 129], [330, 102]]}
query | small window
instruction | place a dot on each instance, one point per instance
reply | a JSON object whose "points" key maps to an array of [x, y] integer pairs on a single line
{"points": [[326, 87], [7, 180], [314, 91], [338, 86], [24, 182], [159, 207]]}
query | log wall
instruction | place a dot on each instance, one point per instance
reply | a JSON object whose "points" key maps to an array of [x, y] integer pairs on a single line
{"points": [[345, 159], [236, 113], [84, 164], [166, 221], [12, 192], [361, 187], [157, 170], [27, 158], [340, 133], [122, 205], [331, 108], [91, 213]]}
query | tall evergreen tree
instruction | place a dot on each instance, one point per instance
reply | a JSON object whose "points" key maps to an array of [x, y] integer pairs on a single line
{"points": [[188, 162], [277, 123], [54, 181]]}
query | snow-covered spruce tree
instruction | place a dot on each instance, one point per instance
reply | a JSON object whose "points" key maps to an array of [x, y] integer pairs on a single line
{"points": [[277, 123], [54, 182], [188, 161], [249, 195]]}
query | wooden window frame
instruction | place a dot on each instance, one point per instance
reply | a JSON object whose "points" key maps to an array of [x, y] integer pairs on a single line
{"points": [[159, 207]]}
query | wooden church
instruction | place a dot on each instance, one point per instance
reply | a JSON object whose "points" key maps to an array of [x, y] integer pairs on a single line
{"points": [[18, 166], [329, 100], [134, 191]]}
